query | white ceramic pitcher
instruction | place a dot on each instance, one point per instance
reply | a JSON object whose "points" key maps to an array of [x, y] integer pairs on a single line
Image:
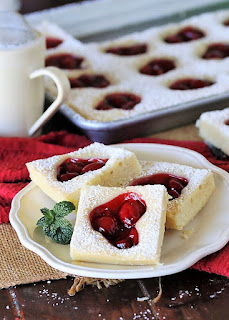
{"points": [[22, 58]]}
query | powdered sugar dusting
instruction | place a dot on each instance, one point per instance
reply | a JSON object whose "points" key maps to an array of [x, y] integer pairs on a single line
{"points": [[153, 90], [213, 129], [181, 211], [217, 118], [90, 245], [116, 156], [193, 175]]}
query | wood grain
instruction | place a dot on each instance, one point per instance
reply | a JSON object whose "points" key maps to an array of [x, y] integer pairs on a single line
{"points": [[187, 295]]}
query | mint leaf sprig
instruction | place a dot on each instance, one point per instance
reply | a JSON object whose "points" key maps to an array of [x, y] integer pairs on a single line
{"points": [[53, 223]]}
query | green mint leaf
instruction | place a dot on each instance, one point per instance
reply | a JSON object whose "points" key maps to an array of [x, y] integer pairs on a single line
{"points": [[63, 208], [61, 231], [45, 211], [54, 225], [47, 229], [44, 223], [49, 214], [41, 222]]}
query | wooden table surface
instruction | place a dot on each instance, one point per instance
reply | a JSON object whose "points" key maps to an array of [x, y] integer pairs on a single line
{"points": [[187, 295]]}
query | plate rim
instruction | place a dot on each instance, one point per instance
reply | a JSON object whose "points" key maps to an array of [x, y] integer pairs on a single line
{"points": [[72, 269]]}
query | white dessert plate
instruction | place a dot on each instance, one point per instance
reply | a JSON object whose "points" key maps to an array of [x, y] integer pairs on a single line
{"points": [[208, 232]]}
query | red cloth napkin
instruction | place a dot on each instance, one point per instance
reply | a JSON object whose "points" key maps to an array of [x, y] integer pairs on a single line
{"points": [[15, 152]]}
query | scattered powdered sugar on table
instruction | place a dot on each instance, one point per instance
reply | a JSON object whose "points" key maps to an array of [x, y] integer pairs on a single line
{"points": [[142, 298], [53, 298]]}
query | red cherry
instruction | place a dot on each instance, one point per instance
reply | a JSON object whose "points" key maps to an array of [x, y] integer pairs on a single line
{"points": [[157, 178], [130, 212], [123, 244], [125, 101], [184, 35], [128, 50], [173, 193], [107, 226], [92, 167], [71, 168], [157, 67], [80, 162], [99, 212], [116, 219], [129, 241], [176, 185], [182, 180], [216, 51], [173, 39], [92, 160], [64, 61], [52, 42], [134, 236], [190, 84], [67, 176], [85, 81]]}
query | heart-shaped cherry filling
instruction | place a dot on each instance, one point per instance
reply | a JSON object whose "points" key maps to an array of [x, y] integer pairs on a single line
{"points": [[226, 22], [52, 42], [190, 84], [173, 184], [128, 50], [64, 61], [226, 122], [125, 101], [184, 35], [157, 67], [117, 218], [72, 168], [216, 51], [92, 80]]}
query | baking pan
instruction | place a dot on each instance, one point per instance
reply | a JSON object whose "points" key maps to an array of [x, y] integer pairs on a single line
{"points": [[144, 124], [150, 122]]}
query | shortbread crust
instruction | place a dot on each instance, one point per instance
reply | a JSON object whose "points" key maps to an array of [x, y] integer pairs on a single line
{"points": [[194, 196], [90, 245], [212, 128], [121, 166]]}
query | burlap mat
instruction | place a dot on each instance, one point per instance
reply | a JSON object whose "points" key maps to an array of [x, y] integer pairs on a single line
{"points": [[18, 264]]}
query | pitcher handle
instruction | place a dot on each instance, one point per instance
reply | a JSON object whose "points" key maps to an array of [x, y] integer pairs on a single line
{"points": [[63, 89]]}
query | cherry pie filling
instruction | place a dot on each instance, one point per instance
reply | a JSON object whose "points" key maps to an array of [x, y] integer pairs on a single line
{"points": [[157, 67], [93, 80], [64, 61], [173, 184], [52, 42], [216, 51], [190, 84], [72, 168], [184, 35], [128, 50], [226, 122], [116, 220], [125, 101], [226, 23]]}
